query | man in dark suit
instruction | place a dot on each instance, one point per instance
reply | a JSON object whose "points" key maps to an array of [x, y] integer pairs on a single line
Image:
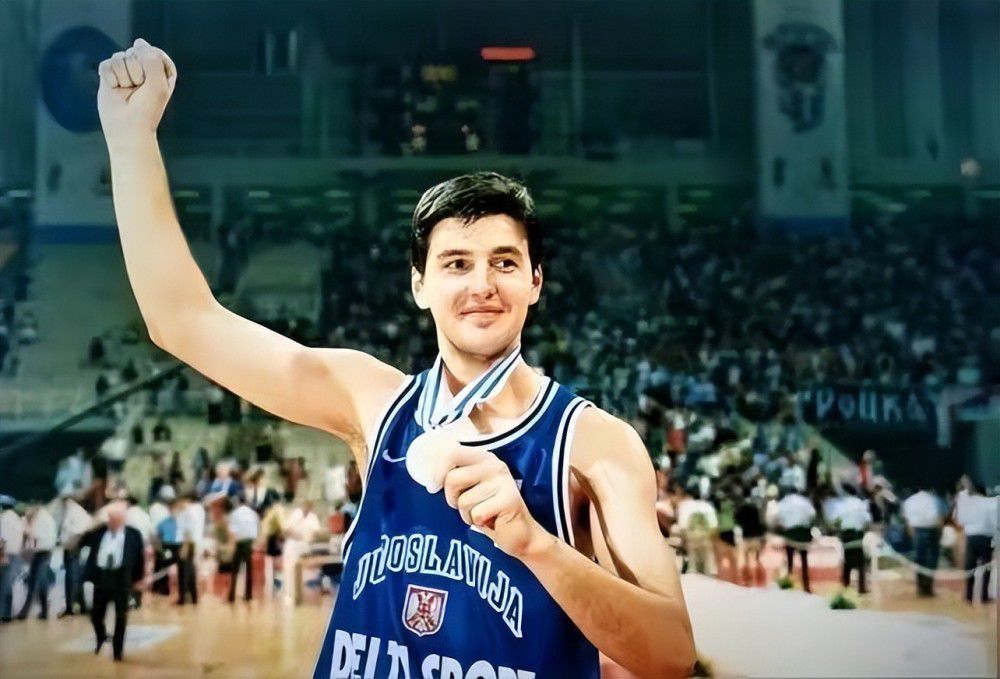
{"points": [[114, 565]]}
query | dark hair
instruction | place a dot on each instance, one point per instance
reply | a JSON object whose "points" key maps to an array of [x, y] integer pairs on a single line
{"points": [[470, 197]]}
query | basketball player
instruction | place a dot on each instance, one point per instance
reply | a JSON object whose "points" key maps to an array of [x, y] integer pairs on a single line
{"points": [[530, 540]]}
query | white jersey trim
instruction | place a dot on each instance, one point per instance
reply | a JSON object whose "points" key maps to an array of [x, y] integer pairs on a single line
{"points": [[539, 406], [401, 396], [560, 469]]}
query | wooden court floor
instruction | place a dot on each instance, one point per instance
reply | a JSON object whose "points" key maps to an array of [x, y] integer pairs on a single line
{"points": [[214, 639], [270, 639]]}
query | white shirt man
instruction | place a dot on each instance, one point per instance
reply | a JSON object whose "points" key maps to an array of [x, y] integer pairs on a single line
{"points": [[75, 522], [42, 532], [158, 511], [302, 525], [689, 507], [923, 510], [794, 511], [137, 517], [11, 532], [191, 523], [977, 514], [852, 513], [300, 530], [244, 523]]}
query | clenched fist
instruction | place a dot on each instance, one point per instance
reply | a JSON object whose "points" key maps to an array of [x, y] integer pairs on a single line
{"points": [[135, 87]]}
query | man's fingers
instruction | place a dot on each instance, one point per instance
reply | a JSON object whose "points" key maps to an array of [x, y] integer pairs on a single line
{"points": [[485, 512], [134, 68], [155, 63], [169, 68], [118, 68], [471, 502], [460, 456], [460, 479], [107, 75]]}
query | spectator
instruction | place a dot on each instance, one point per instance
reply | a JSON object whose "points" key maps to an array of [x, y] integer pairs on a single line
{"points": [[76, 522], [924, 514], [130, 373], [191, 532], [223, 483], [294, 472], [176, 472], [40, 537], [115, 564], [72, 472], [167, 543], [795, 516], [977, 515], [244, 526], [867, 470], [852, 518], [102, 386], [812, 472], [96, 353], [11, 545], [698, 522], [300, 530], [793, 476], [752, 528], [162, 431], [260, 496], [138, 518], [114, 450], [160, 509]]}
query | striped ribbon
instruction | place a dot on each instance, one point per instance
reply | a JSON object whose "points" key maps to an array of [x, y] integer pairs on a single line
{"points": [[433, 407]]}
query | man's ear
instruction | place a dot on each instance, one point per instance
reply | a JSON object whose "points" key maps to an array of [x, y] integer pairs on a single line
{"points": [[536, 284], [417, 288]]}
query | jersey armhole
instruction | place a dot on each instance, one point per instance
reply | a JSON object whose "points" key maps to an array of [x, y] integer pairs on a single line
{"points": [[560, 469], [392, 404]]}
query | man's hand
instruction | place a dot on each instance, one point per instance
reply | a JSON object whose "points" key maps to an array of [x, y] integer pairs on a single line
{"points": [[479, 485], [135, 87]]}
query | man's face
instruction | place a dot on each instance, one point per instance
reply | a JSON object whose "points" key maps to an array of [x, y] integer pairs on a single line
{"points": [[116, 518], [478, 283]]}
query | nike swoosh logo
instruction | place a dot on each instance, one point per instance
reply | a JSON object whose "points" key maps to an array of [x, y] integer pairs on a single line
{"points": [[385, 456]]}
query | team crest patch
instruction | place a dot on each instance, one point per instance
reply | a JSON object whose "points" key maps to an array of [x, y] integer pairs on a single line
{"points": [[423, 611]]}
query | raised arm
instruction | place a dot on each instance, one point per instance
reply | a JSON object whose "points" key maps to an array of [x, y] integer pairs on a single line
{"points": [[337, 390]]}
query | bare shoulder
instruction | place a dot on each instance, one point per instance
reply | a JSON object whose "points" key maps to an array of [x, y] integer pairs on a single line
{"points": [[601, 439]]}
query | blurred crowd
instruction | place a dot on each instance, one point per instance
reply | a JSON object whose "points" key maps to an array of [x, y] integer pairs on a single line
{"points": [[727, 497], [248, 521], [727, 317]]}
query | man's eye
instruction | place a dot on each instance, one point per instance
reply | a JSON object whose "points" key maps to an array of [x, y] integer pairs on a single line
{"points": [[507, 264], [456, 264]]}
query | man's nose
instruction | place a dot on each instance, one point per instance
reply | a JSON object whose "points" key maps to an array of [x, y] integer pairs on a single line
{"points": [[483, 280]]}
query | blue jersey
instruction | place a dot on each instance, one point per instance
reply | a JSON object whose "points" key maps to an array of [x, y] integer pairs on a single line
{"points": [[424, 595]]}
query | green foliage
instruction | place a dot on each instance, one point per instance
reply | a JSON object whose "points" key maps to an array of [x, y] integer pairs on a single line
{"points": [[842, 603]]}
